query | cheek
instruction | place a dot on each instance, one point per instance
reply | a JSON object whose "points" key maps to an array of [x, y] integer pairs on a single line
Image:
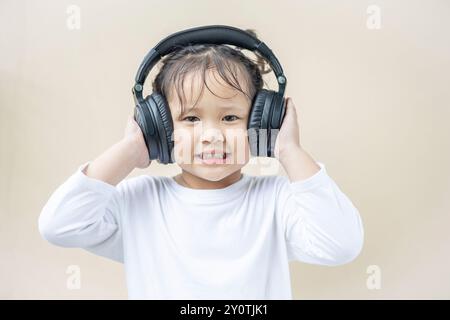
{"points": [[238, 144], [183, 144]]}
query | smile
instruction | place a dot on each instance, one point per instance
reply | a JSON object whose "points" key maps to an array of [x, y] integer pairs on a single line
{"points": [[213, 158]]}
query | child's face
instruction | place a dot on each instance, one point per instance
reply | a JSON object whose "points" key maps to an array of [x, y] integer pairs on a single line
{"points": [[215, 123]]}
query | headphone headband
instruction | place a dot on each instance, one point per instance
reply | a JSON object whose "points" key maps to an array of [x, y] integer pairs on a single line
{"points": [[214, 34]]}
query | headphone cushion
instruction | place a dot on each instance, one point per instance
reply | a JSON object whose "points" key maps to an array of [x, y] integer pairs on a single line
{"points": [[166, 122], [257, 109], [259, 119]]}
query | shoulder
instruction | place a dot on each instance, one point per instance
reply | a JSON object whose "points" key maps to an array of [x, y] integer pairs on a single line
{"points": [[268, 179], [143, 184], [274, 183]]}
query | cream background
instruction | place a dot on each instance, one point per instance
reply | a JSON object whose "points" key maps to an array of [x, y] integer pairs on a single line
{"points": [[374, 107]]}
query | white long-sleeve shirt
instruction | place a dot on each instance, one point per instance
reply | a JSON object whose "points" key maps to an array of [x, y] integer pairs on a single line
{"points": [[182, 243]]}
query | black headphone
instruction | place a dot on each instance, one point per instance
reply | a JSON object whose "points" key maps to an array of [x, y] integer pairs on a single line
{"points": [[153, 113]]}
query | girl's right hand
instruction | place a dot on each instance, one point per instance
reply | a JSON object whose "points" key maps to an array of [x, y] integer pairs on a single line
{"points": [[134, 133]]}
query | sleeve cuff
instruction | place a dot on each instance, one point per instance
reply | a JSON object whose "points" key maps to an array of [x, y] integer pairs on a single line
{"points": [[320, 178], [80, 178]]}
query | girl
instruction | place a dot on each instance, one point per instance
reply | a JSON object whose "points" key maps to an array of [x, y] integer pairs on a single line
{"points": [[211, 232]]}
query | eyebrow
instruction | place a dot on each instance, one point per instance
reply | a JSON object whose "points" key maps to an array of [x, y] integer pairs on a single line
{"points": [[225, 106]]}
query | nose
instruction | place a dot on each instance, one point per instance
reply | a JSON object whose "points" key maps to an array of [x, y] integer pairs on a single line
{"points": [[211, 135]]}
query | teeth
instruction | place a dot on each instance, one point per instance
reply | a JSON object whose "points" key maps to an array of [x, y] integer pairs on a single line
{"points": [[212, 156]]}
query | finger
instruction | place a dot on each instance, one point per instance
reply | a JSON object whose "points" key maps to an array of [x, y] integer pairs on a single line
{"points": [[132, 121], [289, 107]]}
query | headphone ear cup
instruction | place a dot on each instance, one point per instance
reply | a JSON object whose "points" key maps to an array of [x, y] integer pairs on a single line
{"points": [[143, 118], [277, 113], [164, 127], [254, 121], [259, 122]]}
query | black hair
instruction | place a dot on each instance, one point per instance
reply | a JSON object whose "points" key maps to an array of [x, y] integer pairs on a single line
{"points": [[227, 60]]}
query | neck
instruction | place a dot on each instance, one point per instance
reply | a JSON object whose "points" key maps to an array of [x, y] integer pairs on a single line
{"points": [[189, 180]]}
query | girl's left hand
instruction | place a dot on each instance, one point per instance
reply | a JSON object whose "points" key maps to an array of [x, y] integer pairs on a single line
{"points": [[289, 134]]}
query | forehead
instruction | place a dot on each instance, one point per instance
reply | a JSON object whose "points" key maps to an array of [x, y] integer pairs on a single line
{"points": [[210, 92]]}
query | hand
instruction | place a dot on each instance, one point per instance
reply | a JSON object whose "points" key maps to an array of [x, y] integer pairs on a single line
{"points": [[289, 135], [134, 134]]}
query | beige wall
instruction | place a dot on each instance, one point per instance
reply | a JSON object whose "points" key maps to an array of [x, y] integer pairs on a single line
{"points": [[374, 107]]}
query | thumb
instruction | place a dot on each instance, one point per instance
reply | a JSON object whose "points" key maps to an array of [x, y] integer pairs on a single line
{"points": [[289, 106]]}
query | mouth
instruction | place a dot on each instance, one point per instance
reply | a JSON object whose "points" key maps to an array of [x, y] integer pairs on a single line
{"points": [[213, 158]]}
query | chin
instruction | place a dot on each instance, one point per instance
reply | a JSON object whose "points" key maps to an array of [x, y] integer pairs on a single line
{"points": [[211, 173]]}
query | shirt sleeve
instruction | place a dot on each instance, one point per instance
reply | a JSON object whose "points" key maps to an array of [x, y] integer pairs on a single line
{"points": [[321, 224], [85, 213]]}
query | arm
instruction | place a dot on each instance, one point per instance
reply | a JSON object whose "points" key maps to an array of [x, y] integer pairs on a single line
{"points": [[119, 160], [85, 211], [321, 224], [298, 164]]}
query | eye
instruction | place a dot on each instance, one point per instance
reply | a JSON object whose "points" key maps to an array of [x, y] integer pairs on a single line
{"points": [[232, 119], [190, 118]]}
